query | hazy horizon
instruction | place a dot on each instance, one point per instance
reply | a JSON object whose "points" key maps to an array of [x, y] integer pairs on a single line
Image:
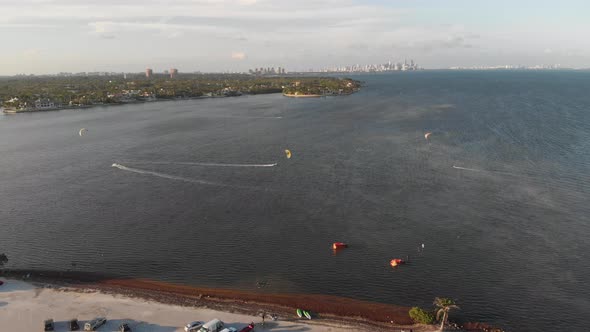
{"points": [[51, 36]]}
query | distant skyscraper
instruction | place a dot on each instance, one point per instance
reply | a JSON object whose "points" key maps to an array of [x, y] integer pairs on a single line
{"points": [[173, 72], [149, 72]]}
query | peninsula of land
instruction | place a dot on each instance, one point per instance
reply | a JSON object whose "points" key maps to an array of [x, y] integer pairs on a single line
{"points": [[45, 93]]}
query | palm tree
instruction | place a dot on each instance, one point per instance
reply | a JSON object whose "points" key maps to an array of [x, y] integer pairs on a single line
{"points": [[444, 305]]}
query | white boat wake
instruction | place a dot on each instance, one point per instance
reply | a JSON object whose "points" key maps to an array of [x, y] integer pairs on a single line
{"points": [[468, 169], [494, 171], [241, 117], [198, 164], [177, 178]]}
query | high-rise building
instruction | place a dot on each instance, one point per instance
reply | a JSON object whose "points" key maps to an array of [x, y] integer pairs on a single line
{"points": [[149, 72], [173, 72]]}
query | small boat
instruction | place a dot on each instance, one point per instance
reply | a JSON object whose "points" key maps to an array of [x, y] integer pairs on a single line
{"points": [[299, 313], [339, 245], [396, 261], [306, 314]]}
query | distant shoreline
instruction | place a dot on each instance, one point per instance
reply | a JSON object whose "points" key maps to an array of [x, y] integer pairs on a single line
{"points": [[301, 96], [13, 111]]}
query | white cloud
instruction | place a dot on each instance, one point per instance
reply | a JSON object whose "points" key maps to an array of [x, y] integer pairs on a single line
{"points": [[238, 55], [247, 2], [31, 53], [303, 34]]}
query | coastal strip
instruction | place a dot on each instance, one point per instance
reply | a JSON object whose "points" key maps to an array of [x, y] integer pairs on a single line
{"points": [[327, 309], [292, 95], [25, 305]]}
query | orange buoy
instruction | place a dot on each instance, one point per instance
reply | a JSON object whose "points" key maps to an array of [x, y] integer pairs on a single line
{"points": [[339, 245], [396, 261]]}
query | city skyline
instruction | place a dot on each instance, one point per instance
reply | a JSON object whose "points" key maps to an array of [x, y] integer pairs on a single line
{"points": [[51, 36], [276, 71]]}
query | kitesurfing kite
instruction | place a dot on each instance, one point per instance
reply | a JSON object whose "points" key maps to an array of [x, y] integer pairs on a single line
{"points": [[427, 135], [82, 131], [288, 154]]}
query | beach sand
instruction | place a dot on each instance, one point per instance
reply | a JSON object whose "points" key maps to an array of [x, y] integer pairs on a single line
{"points": [[25, 305]]}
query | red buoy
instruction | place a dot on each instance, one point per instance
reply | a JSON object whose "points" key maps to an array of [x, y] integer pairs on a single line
{"points": [[396, 261], [339, 245]]}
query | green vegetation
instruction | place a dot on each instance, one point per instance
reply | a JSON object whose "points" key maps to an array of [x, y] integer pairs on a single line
{"points": [[421, 316], [23, 91], [444, 305], [322, 86]]}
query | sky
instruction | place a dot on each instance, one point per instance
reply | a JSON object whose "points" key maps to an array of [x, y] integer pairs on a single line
{"points": [[50, 36]]}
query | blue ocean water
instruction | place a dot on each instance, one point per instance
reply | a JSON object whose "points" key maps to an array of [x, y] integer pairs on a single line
{"points": [[498, 194]]}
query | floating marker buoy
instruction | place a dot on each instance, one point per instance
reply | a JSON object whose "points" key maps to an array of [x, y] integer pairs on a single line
{"points": [[396, 261], [339, 245]]}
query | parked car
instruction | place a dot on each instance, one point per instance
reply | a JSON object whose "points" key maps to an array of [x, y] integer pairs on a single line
{"points": [[193, 326], [94, 324], [73, 324], [48, 325], [124, 328], [212, 326], [248, 328], [229, 329]]}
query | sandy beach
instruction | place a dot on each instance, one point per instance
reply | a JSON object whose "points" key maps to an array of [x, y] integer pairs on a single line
{"points": [[25, 305], [301, 96]]}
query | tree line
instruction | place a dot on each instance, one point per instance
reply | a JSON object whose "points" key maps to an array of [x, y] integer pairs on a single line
{"points": [[88, 90]]}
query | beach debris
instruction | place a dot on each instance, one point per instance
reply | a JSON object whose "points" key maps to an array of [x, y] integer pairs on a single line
{"points": [[396, 261], [82, 131], [288, 153], [427, 135], [339, 245], [261, 284]]}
